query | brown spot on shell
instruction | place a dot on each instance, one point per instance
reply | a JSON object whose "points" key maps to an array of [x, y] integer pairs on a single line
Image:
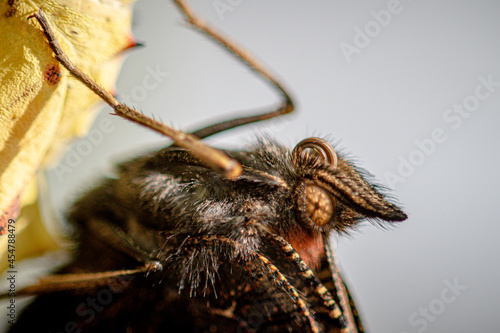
{"points": [[11, 212], [52, 74], [10, 12], [13, 8]]}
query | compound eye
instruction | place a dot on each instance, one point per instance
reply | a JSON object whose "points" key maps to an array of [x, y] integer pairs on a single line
{"points": [[319, 204], [318, 147]]}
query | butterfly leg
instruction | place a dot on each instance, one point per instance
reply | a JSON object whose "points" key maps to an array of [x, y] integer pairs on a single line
{"points": [[214, 158], [286, 105]]}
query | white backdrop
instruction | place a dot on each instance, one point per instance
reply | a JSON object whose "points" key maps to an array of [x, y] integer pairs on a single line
{"points": [[412, 88]]}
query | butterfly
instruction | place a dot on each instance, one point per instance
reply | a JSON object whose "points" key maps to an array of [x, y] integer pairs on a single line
{"points": [[193, 238]]}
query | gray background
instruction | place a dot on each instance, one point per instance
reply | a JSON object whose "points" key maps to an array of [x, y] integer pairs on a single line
{"points": [[395, 91]]}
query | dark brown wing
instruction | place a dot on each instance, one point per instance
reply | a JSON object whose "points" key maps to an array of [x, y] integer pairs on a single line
{"points": [[269, 291]]}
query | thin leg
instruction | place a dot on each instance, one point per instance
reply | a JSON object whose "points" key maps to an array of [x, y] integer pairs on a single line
{"points": [[114, 237], [242, 55], [212, 157], [74, 282]]}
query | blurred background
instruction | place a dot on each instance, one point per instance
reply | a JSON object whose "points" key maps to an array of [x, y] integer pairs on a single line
{"points": [[411, 89]]}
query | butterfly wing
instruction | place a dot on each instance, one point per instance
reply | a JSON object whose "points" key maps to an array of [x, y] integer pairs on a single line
{"points": [[41, 106]]}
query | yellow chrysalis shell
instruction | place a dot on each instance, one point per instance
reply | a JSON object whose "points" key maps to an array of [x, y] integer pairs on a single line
{"points": [[41, 105]]}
